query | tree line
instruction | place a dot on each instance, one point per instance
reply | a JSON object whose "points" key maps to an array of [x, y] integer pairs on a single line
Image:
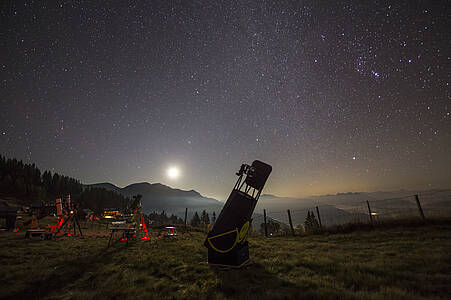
{"points": [[203, 220], [163, 219], [26, 182]]}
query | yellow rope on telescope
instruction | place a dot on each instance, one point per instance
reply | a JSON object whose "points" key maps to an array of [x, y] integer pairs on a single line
{"points": [[240, 236], [225, 233]]}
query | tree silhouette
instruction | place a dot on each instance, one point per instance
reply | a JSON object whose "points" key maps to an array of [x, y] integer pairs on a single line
{"points": [[205, 219], [311, 223], [195, 221]]}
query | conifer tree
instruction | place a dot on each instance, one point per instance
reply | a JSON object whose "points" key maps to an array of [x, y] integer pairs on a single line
{"points": [[311, 223], [195, 221]]}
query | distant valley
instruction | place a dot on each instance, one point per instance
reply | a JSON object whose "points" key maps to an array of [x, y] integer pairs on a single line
{"points": [[335, 209]]}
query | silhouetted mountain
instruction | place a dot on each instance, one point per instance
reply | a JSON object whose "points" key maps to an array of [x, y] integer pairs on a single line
{"points": [[105, 185], [159, 197]]}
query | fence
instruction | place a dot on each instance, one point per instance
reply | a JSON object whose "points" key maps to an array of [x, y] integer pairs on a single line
{"points": [[430, 205]]}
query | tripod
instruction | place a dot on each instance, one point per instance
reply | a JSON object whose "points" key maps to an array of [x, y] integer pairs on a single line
{"points": [[72, 222]]}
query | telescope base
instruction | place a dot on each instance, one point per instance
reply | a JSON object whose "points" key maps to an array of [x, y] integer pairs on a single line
{"points": [[237, 258]]}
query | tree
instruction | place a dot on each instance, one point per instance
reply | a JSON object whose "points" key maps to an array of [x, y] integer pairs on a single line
{"points": [[195, 221], [173, 219], [311, 223], [205, 219], [213, 218], [47, 180]]}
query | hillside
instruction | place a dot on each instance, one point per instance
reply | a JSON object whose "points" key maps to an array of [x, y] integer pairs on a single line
{"points": [[158, 197], [397, 263]]}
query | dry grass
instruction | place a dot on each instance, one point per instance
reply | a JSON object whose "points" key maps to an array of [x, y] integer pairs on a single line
{"points": [[393, 263]]}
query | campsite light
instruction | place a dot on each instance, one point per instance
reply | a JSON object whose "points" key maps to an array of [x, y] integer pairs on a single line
{"points": [[374, 214]]}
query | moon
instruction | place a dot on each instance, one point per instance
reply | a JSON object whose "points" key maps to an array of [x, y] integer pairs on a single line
{"points": [[173, 172]]}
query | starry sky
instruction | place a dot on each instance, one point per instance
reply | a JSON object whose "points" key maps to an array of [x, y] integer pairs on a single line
{"points": [[337, 96]]}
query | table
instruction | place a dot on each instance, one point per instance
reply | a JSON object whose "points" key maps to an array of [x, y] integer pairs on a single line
{"points": [[125, 230]]}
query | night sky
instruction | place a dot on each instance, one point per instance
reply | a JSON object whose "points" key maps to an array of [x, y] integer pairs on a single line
{"points": [[336, 96]]}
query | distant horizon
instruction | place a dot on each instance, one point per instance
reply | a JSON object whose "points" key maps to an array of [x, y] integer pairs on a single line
{"points": [[277, 195], [232, 182]]}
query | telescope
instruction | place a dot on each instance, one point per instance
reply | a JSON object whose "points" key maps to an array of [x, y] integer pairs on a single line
{"points": [[227, 240]]}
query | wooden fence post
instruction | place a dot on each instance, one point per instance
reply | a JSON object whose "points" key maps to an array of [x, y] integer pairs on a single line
{"points": [[291, 223], [264, 220], [420, 209], [319, 218], [369, 211]]}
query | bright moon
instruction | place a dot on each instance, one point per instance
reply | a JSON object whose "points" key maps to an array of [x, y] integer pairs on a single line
{"points": [[173, 172]]}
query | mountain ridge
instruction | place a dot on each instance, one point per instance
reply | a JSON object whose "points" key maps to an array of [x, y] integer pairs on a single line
{"points": [[158, 197]]}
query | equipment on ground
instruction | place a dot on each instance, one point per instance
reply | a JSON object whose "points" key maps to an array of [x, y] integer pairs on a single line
{"points": [[135, 227], [138, 219], [227, 240], [171, 232], [38, 212], [9, 213], [67, 218], [40, 233]]}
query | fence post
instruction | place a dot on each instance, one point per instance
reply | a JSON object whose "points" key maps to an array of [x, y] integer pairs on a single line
{"points": [[264, 220], [420, 209], [319, 218], [186, 213], [369, 212], [291, 223]]}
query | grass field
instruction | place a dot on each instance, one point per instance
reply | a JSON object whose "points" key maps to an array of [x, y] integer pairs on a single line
{"points": [[396, 263]]}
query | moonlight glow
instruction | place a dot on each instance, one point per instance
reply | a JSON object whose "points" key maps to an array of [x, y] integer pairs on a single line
{"points": [[173, 172]]}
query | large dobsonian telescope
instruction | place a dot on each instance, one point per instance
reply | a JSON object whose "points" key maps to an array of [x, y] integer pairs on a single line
{"points": [[227, 241]]}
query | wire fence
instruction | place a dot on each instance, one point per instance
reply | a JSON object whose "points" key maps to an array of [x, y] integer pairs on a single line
{"points": [[436, 204]]}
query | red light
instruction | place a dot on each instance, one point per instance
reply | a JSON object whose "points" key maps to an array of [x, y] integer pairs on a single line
{"points": [[146, 235], [16, 230], [60, 222], [69, 234]]}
